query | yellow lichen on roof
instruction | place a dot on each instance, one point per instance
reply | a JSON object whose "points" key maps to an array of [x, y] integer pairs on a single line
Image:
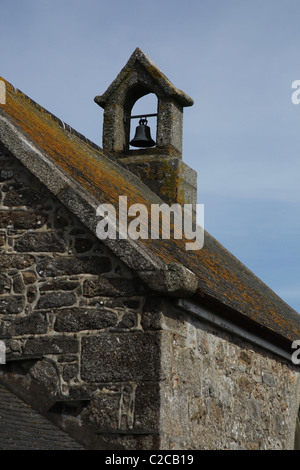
{"points": [[76, 156]]}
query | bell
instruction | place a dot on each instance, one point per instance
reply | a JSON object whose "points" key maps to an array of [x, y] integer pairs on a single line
{"points": [[142, 136]]}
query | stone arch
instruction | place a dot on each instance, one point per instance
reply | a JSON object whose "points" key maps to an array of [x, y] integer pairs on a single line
{"points": [[147, 104]]}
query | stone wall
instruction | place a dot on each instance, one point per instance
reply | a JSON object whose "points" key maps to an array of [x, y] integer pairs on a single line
{"points": [[71, 318], [222, 392]]}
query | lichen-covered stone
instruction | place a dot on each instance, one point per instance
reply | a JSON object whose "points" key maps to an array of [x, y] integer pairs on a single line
{"points": [[120, 357], [22, 197], [40, 242], [110, 287], [77, 319], [66, 266], [5, 284], [56, 299], [58, 284], [70, 371], [222, 390], [18, 284], [21, 219], [34, 324], [38, 347], [45, 372], [16, 261], [11, 304], [29, 277]]}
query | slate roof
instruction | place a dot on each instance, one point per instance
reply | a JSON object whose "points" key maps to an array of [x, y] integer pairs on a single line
{"points": [[22, 428], [222, 279]]}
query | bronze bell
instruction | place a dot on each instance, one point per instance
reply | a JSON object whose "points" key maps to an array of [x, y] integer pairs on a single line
{"points": [[142, 136]]}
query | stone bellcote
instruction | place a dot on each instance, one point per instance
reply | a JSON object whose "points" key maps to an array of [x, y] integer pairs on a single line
{"points": [[139, 77], [161, 166]]}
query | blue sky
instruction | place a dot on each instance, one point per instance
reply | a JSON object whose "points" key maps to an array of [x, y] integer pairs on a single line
{"points": [[237, 59]]}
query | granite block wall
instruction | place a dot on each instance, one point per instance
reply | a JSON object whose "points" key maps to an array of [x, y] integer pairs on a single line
{"points": [[71, 319], [222, 392]]}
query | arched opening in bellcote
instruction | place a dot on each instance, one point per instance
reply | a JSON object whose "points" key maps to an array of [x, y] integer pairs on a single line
{"points": [[139, 102]]}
